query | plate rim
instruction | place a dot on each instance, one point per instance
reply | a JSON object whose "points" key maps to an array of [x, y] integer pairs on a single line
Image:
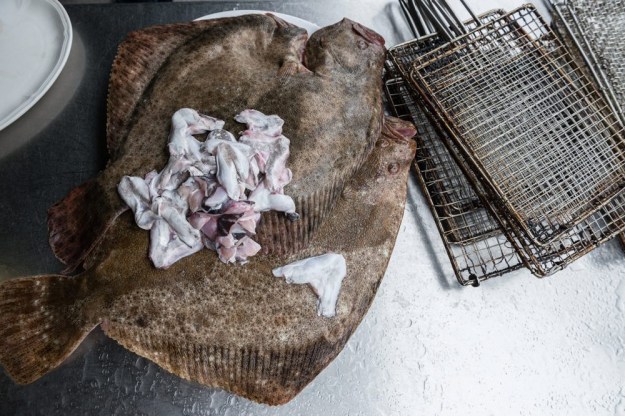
{"points": [[311, 27], [55, 70]]}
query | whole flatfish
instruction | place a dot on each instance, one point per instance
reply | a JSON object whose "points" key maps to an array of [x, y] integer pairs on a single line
{"points": [[235, 327], [326, 89]]}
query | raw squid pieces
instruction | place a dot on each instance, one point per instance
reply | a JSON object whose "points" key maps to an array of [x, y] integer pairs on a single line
{"points": [[323, 273], [211, 193]]}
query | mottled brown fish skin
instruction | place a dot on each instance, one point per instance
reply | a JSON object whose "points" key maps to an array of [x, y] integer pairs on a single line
{"points": [[234, 327], [332, 115]]}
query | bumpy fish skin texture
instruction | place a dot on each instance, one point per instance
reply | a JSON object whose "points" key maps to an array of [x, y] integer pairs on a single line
{"points": [[238, 328], [332, 114]]}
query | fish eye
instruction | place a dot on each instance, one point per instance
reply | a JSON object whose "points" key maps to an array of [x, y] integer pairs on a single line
{"points": [[316, 41], [393, 168], [362, 44]]}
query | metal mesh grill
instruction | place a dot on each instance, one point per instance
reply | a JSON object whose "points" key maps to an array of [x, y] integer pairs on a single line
{"points": [[569, 246], [454, 192], [551, 153], [473, 239], [595, 30]]}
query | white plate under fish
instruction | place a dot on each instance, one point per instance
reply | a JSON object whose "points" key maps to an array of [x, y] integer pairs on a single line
{"points": [[305, 24], [35, 40]]}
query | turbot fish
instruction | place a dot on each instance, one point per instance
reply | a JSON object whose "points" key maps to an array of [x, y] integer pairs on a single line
{"points": [[240, 328]]}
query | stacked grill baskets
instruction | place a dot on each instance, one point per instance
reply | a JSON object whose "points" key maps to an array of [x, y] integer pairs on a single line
{"points": [[521, 157], [594, 32]]}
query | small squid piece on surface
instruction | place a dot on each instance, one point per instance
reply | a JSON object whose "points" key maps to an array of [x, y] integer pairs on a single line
{"points": [[257, 121], [188, 121], [272, 154], [323, 273], [254, 176], [166, 248], [186, 146], [247, 217], [136, 194], [231, 165], [277, 175], [193, 192], [172, 208], [264, 200], [217, 198], [184, 123], [206, 223], [261, 159], [184, 149], [231, 250], [226, 248], [246, 247], [171, 176], [227, 176]]}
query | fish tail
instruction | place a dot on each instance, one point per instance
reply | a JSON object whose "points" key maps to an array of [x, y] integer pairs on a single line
{"points": [[40, 324]]}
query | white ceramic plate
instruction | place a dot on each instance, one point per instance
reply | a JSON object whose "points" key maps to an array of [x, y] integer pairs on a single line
{"points": [[310, 27], [35, 39]]}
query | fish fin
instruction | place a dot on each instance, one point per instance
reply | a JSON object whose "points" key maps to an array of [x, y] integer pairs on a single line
{"points": [[270, 376], [138, 59], [77, 222], [39, 324]]}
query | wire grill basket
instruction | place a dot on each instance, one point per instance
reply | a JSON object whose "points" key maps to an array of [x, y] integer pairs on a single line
{"points": [[473, 239], [595, 30], [550, 153]]}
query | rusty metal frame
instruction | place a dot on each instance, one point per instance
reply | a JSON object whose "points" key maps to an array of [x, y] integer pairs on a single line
{"points": [[521, 186], [541, 260]]}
